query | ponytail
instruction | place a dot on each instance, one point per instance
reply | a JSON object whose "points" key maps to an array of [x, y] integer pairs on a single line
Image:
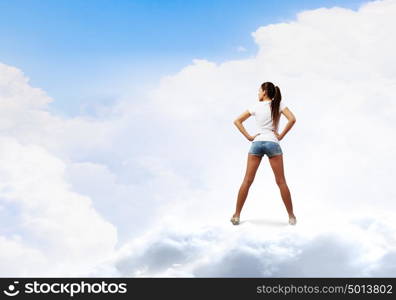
{"points": [[274, 93]]}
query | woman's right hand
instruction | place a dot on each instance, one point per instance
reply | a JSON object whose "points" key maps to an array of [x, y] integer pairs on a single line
{"points": [[278, 136]]}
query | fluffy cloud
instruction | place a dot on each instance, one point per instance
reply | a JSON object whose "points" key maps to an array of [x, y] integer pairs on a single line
{"points": [[47, 221], [357, 247]]}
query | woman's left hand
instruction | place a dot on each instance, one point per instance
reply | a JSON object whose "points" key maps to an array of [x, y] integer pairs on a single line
{"points": [[251, 138]]}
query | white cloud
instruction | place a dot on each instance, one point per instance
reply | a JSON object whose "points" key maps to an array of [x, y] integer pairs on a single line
{"points": [[18, 259], [50, 220], [340, 248]]}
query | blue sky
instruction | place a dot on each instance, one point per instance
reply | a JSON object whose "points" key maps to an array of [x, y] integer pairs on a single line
{"points": [[91, 52]]}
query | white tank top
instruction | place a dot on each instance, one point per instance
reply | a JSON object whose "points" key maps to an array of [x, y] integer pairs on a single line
{"points": [[261, 110]]}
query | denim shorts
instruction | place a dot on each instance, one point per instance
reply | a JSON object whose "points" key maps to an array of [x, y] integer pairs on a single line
{"points": [[265, 147]]}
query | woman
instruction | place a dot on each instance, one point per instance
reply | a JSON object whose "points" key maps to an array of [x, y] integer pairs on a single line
{"points": [[267, 113]]}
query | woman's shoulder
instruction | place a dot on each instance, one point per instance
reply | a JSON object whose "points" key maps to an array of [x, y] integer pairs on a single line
{"points": [[282, 105], [252, 107]]}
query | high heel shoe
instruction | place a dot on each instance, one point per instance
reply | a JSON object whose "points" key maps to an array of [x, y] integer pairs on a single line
{"points": [[235, 220]]}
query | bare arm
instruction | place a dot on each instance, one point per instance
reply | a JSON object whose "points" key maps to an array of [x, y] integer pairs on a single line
{"points": [[291, 120], [238, 123]]}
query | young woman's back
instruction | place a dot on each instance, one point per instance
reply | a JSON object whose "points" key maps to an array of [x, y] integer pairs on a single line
{"points": [[261, 110], [267, 113]]}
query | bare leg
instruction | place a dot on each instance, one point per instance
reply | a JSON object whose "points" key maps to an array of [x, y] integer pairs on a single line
{"points": [[253, 163], [276, 163]]}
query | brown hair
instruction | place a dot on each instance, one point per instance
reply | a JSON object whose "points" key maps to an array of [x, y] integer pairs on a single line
{"points": [[274, 93]]}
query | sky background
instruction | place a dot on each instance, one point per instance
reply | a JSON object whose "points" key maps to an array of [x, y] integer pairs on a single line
{"points": [[85, 53], [118, 155]]}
